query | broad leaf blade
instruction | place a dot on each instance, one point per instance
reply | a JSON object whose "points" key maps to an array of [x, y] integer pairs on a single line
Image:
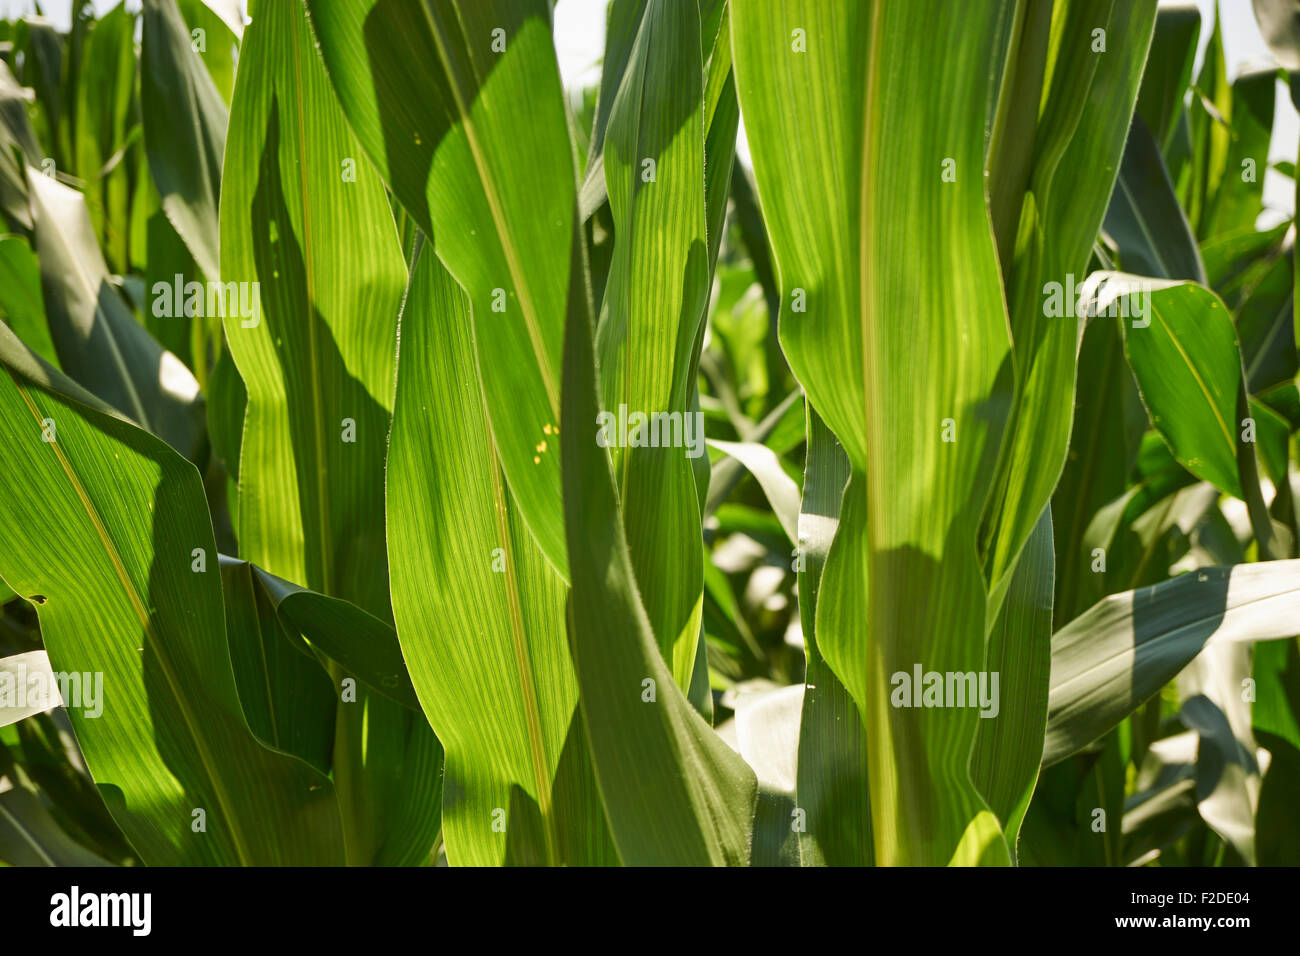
{"points": [[107, 557], [317, 356], [363, 644], [832, 787], [287, 698], [1188, 369], [1169, 69], [1079, 140], [184, 129], [1112, 658], [434, 92], [860, 367], [21, 304], [480, 613], [98, 340], [1006, 758], [1144, 218], [674, 792], [650, 322]]}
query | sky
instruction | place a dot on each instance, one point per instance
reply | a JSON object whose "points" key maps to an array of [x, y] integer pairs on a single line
{"points": [[580, 38]]}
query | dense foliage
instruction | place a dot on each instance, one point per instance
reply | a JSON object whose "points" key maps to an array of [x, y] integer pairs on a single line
{"points": [[407, 460]]}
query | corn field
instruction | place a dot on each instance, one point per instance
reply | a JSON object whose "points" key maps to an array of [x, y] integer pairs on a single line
{"points": [[408, 458]]}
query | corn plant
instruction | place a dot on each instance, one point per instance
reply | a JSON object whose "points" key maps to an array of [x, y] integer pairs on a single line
{"points": [[409, 459]]}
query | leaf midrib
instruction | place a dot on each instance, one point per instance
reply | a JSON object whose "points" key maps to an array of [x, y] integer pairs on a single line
{"points": [[886, 842], [865, 235], [318, 422], [527, 682], [626, 286]]}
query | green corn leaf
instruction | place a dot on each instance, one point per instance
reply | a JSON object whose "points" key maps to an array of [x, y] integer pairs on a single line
{"points": [[221, 28], [434, 93], [105, 94], [841, 291], [1005, 761], [1136, 538], [674, 792], [1278, 685], [1011, 139], [480, 612], [1086, 109], [1234, 261], [387, 770], [1277, 833], [287, 698], [650, 322], [1239, 199], [622, 24], [21, 304], [1169, 69], [102, 530], [365, 646], [1272, 434], [1210, 130], [1185, 358], [1266, 328], [43, 70], [184, 131], [781, 491], [15, 134], [168, 265], [97, 339], [831, 787], [1108, 426], [15, 124], [1276, 724], [1144, 218], [227, 402], [29, 834], [1116, 655], [316, 350]]}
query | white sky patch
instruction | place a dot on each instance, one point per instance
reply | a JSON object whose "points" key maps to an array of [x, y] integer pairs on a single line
{"points": [[580, 41]]}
